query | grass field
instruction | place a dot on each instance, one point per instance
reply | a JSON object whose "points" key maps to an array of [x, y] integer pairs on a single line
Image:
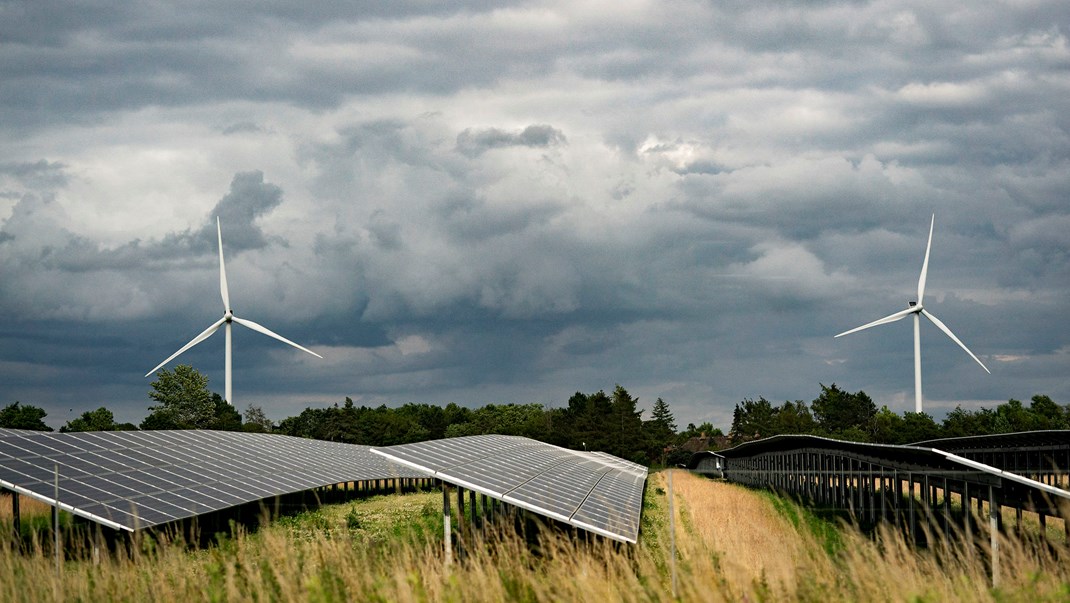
{"points": [[733, 544]]}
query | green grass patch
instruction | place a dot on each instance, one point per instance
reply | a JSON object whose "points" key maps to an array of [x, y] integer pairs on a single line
{"points": [[827, 529]]}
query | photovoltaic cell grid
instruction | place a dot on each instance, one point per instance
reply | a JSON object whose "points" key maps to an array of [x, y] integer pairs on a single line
{"points": [[139, 479], [4, 432], [590, 490]]}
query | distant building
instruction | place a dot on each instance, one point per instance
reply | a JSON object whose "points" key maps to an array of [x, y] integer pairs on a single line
{"points": [[707, 463]]}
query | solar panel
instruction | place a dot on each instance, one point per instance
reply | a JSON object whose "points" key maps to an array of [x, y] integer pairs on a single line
{"points": [[594, 491], [7, 431], [138, 479]]}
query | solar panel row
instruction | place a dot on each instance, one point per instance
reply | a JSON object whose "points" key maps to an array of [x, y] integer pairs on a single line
{"points": [[7, 431], [594, 491], [137, 479]]}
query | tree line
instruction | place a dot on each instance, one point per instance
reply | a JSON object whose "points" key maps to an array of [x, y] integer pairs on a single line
{"points": [[611, 422], [599, 421], [843, 415]]}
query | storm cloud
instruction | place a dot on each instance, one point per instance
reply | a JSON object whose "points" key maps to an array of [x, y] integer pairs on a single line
{"points": [[480, 202]]}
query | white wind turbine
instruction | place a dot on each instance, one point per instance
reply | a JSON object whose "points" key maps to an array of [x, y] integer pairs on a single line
{"points": [[228, 317], [917, 309]]}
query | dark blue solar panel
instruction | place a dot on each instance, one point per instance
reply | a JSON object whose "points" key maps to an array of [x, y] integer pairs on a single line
{"points": [[594, 491], [140, 479]]}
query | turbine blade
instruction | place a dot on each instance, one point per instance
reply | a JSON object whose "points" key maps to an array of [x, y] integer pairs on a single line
{"points": [[887, 319], [222, 268], [947, 331], [204, 335], [925, 264], [266, 331]]}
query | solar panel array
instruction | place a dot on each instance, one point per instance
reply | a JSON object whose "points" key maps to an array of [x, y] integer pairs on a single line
{"points": [[6, 431], [590, 490], [138, 479]]}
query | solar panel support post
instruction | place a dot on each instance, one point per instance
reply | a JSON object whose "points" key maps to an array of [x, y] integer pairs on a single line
{"points": [[871, 493], [993, 528], [860, 490], [911, 503], [897, 493], [472, 506], [841, 479], [967, 519], [447, 534], [884, 495], [927, 496], [819, 478], [16, 520], [55, 518], [486, 513], [460, 522]]}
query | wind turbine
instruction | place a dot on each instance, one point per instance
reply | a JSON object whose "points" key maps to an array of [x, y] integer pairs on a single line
{"points": [[917, 310], [228, 318]]}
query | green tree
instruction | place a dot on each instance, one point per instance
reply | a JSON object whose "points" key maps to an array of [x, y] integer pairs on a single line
{"points": [[227, 418], [585, 422], [839, 412], [184, 401], [752, 419], [458, 430], [528, 420], [100, 419], [1047, 414], [1012, 416], [793, 417], [311, 423], [660, 430], [623, 415], [887, 427], [962, 422], [23, 416], [256, 420], [918, 427], [706, 429], [661, 415], [425, 421]]}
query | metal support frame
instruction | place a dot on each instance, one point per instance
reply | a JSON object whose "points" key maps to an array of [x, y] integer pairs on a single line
{"points": [[447, 532], [16, 518], [993, 529]]}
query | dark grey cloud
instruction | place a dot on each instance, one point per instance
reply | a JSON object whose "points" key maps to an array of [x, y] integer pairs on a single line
{"points": [[477, 202], [249, 199], [474, 142], [36, 174]]}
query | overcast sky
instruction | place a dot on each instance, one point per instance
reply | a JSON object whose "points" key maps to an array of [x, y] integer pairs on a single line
{"points": [[494, 202]]}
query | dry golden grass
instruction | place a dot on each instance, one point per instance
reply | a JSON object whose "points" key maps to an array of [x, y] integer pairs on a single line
{"points": [[752, 541], [28, 508], [734, 544], [803, 560]]}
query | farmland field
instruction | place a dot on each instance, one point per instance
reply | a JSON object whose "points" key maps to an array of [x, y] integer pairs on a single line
{"points": [[732, 544]]}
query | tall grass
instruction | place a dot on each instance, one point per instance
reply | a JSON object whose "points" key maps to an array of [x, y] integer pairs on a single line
{"points": [[732, 544]]}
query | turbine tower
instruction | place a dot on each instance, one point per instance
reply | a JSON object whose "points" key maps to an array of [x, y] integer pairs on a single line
{"points": [[228, 318], [917, 309]]}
